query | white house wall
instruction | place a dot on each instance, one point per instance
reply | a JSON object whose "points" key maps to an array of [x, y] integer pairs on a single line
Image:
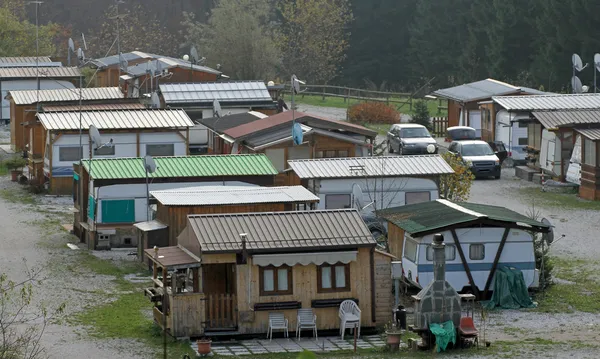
{"points": [[12, 85], [138, 193]]}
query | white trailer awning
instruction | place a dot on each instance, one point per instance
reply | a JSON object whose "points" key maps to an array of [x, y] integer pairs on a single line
{"points": [[292, 259]]}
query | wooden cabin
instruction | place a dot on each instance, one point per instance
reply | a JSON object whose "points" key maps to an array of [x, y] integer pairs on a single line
{"points": [[24, 105], [245, 265], [272, 135], [118, 192], [174, 205], [56, 141], [590, 163]]}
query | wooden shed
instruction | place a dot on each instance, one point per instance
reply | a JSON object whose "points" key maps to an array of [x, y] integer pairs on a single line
{"points": [[256, 263], [174, 205], [590, 163]]}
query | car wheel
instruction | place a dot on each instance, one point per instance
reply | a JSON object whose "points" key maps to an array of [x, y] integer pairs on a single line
{"points": [[497, 176], [400, 151]]}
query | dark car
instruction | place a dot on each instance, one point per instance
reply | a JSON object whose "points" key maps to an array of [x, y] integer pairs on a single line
{"points": [[499, 150], [411, 139], [479, 156], [461, 133]]}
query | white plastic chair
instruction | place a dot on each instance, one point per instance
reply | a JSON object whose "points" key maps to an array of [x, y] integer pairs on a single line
{"points": [[349, 317], [306, 320], [277, 321]]}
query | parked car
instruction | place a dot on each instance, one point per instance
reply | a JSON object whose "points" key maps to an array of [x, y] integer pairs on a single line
{"points": [[461, 133], [410, 139], [499, 149], [479, 156]]}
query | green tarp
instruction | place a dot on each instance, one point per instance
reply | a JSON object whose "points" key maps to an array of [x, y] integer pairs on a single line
{"points": [[444, 334], [510, 291]]}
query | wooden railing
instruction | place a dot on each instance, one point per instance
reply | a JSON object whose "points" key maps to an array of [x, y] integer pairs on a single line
{"points": [[221, 311], [439, 125]]}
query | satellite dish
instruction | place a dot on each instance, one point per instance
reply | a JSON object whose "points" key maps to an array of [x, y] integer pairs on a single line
{"points": [[296, 84], [194, 55], [216, 108], [80, 54], [357, 197], [95, 136], [576, 85], [71, 45], [158, 70], [297, 133], [70, 50], [577, 63], [155, 100], [597, 61], [149, 164], [548, 237]]}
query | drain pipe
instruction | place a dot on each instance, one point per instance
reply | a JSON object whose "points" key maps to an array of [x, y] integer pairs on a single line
{"points": [[247, 261]]}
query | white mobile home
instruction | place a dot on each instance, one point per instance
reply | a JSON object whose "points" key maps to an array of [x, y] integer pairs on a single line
{"points": [[372, 183], [511, 129], [479, 239]]}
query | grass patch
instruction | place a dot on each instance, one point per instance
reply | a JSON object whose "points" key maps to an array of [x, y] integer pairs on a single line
{"points": [[3, 169], [338, 102], [580, 293], [18, 195], [381, 129], [562, 200]]}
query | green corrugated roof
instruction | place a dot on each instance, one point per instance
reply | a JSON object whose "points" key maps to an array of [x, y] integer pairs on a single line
{"points": [[435, 215], [183, 166]]}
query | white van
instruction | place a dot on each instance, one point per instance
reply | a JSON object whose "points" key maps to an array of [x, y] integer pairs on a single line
{"points": [[512, 133]]}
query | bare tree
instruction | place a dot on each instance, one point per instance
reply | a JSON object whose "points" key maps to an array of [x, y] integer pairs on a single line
{"points": [[314, 37], [22, 323], [239, 35]]}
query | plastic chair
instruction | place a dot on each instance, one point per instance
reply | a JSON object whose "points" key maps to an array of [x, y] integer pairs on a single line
{"points": [[277, 321], [467, 330], [306, 320], [349, 317]]}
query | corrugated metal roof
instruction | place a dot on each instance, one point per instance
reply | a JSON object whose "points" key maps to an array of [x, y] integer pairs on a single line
{"points": [[23, 59], [30, 64], [227, 195], [555, 119], [122, 119], [240, 91], [281, 231], [393, 166], [477, 90], [220, 124], [114, 59], [549, 102], [183, 166], [436, 215], [28, 97], [591, 133], [166, 63], [95, 107], [42, 72]]}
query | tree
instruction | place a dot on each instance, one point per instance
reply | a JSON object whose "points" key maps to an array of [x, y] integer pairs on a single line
{"points": [[21, 322], [138, 30], [17, 37], [456, 186], [239, 36], [313, 37], [421, 115]]}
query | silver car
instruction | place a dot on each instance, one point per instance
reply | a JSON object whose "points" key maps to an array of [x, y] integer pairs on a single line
{"points": [[411, 139]]}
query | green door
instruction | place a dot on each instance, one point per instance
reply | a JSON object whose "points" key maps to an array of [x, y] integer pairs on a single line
{"points": [[118, 211]]}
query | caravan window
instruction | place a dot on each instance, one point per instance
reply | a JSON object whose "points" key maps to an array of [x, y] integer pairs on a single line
{"points": [[450, 253], [410, 250], [337, 201], [476, 252]]}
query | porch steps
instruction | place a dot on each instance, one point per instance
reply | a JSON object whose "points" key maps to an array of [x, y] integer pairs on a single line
{"points": [[525, 172]]}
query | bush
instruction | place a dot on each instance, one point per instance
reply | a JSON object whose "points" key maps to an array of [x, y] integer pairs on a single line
{"points": [[456, 186], [15, 163], [373, 112], [421, 115]]}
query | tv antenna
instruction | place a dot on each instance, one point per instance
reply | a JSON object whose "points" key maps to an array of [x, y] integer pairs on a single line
{"points": [[150, 167], [577, 67], [70, 50], [596, 68]]}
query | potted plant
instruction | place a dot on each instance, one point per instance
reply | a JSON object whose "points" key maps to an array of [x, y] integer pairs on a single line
{"points": [[204, 346], [15, 166], [393, 334]]}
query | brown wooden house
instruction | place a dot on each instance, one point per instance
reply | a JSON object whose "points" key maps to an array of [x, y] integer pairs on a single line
{"points": [[243, 266], [174, 205], [272, 135], [590, 163], [24, 105]]}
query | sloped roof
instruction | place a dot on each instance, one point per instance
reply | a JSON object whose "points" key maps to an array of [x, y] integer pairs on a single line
{"points": [[427, 217], [42, 72], [227, 195], [247, 92], [23, 59], [166, 63], [475, 91], [591, 133], [555, 119], [95, 107], [378, 166], [550, 102], [281, 231], [119, 119], [183, 166], [220, 124], [28, 97]]}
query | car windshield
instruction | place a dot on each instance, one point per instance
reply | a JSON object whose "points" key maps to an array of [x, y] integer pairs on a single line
{"points": [[414, 132], [462, 134], [477, 149]]}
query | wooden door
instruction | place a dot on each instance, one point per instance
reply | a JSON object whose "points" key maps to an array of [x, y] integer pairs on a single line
{"points": [[219, 286]]}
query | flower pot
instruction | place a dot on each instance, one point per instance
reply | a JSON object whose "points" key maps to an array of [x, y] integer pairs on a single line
{"points": [[204, 346], [14, 175], [393, 340]]}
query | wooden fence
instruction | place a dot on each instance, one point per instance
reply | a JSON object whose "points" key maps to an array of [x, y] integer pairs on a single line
{"points": [[221, 311], [439, 125]]}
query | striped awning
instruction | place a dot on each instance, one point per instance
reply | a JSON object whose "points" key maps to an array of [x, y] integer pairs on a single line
{"points": [[264, 260]]}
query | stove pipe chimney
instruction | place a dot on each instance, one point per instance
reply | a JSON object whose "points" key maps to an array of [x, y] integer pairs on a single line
{"points": [[439, 258]]}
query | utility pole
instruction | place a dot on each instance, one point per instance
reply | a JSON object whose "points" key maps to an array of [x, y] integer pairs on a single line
{"points": [[37, 52], [119, 35]]}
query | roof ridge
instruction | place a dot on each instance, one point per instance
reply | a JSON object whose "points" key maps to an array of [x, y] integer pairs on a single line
{"points": [[459, 208], [275, 213], [174, 157]]}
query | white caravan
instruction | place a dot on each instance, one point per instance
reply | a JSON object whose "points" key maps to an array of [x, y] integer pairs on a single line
{"points": [[512, 133]]}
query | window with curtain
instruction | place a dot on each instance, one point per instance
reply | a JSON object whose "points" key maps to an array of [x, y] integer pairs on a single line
{"points": [[333, 278], [589, 152], [275, 280], [476, 251], [450, 253]]}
